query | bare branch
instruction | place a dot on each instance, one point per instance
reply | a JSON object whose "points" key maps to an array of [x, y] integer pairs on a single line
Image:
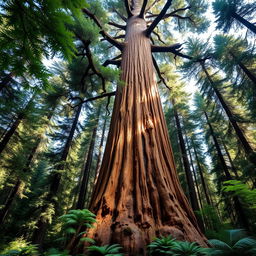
{"points": [[142, 11], [171, 14], [100, 97], [158, 18], [112, 62], [183, 17], [109, 94], [155, 2], [117, 25], [175, 49], [117, 57], [102, 32], [128, 10], [159, 73], [120, 15], [156, 48], [94, 69], [118, 37], [158, 37], [91, 63]]}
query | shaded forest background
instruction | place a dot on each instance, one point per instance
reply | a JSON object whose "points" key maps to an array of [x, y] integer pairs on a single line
{"points": [[55, 119]]}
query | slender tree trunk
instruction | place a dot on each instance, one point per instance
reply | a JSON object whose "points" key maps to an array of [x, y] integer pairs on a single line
{"points": [[230, 160], [138, 195], [245, 144], [100, 150], [6, 80], [246, 23], [250, 75], [42, 224], [5, 130], [86, 171], [9, 201], [190, 182], [207, 197], [17, 187], [242, 219], [201, 219], [10, 132], [194, 173]]}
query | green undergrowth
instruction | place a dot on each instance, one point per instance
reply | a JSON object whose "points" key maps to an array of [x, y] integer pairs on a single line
{"points": [[234, 242]]}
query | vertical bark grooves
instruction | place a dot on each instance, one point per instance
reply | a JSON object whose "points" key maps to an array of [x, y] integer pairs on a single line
{"points": [[137, 195]]}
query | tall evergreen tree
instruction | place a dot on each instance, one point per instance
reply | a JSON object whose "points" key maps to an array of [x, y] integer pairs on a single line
{"points": [[234, 12]]}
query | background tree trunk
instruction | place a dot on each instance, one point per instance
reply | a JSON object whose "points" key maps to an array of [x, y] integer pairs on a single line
{"points": [[207, 196], [244, 22], [10, 132], [86, 171], [237, 204], [42, 224], [244, 142], [184, 155]]}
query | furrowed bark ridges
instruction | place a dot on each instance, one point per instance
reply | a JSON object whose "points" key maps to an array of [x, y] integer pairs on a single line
{"points": [[138, 195]]}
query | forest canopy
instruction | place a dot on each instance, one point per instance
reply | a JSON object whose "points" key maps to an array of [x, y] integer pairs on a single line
{"points": [[127, 127]]}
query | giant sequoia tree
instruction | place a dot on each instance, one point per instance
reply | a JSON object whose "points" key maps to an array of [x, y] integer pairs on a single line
{"points": [[138, 195]]}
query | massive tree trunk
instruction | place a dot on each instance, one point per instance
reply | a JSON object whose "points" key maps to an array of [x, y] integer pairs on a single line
{"points": [[240, 135], [138, 195]]}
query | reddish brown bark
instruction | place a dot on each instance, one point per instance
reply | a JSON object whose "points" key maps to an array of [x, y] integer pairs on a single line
{"points": [[138, 195]]}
